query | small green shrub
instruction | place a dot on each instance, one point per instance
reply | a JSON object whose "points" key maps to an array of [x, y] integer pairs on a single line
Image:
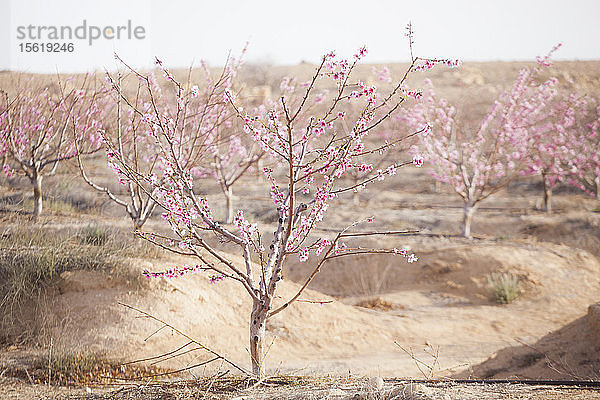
{"points": [[505, 287]]}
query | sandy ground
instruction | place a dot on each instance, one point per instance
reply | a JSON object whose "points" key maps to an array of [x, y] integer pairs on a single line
{"points": [[440, 305]]}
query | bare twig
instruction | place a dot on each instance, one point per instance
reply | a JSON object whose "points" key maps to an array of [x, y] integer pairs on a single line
{"points": [[218, 356]]}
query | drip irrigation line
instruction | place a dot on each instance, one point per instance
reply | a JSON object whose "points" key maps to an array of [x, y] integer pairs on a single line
{"points": [[530, 382]]}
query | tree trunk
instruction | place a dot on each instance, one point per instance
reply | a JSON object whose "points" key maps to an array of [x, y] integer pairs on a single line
{"points": [[468, 211], [2, 164], [547, 194], [597, 180], [437, 186], [355, 194], [229, 205], [258, 320], [259, 171], [37, 195]]}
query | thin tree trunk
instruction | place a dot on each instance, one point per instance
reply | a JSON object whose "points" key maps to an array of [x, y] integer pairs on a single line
{"points": [[437, 186], [258, 319], [259, 170], [355, 194], [547, 194], [229, 205], [597, 181], [37, 195], [468, 211], [2, 164]]}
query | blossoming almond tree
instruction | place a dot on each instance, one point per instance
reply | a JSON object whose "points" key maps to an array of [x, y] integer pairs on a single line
{"points": [[129, 135], [311, 153], [582, 155], [35, 136], [231, 160], [552, 142], [233, 153], [192, 117], [477, 163]]}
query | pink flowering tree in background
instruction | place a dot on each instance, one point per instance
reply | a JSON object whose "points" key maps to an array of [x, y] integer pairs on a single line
{"points": [[390, 139], [311, 154], [35, 131], [193, 118], [231, 161], [233, 153], [582, 155], [130, 134], [478, 162], [551, 151]]}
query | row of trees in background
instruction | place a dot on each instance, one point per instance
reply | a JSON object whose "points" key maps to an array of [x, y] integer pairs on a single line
{"points": [[534, 128]]}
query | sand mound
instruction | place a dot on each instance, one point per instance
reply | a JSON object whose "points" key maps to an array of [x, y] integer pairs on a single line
{"points": [[582, 233], [214, 314], [570, 352], [460, 271]]}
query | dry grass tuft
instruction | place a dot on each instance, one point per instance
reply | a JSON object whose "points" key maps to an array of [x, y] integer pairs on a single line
{"points": [[505, 287], [32, 258], [67, 368], [377, 303]]}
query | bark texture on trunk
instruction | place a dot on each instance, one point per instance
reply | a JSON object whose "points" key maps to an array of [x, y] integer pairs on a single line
{"points": [[258, 320], [37, 196], [229, 205], [137, 224], [437, 186], [547, 195], [468, 211]]}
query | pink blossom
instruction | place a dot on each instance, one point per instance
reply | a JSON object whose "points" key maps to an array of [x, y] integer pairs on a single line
{"points": [[303, 254], [7, 170], [362, 52], [418, 161]]}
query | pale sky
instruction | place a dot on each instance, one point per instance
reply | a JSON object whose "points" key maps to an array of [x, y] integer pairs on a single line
{"points": [[284, 32]]}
